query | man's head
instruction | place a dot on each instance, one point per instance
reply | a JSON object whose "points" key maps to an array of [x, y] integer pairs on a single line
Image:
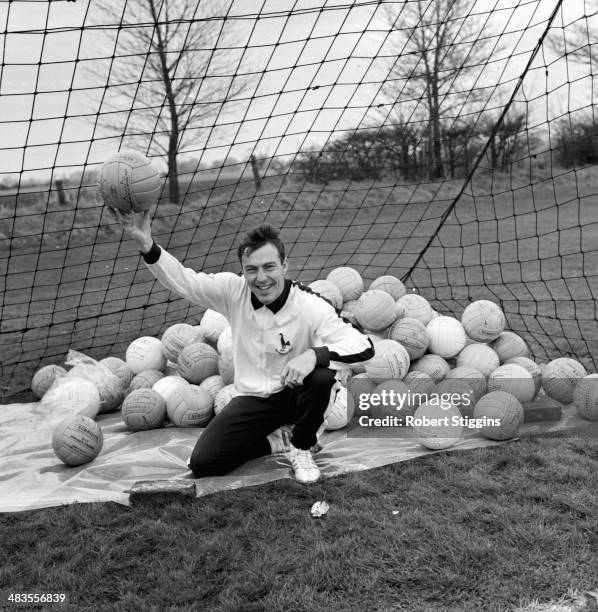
{"points": [[262, 256]]}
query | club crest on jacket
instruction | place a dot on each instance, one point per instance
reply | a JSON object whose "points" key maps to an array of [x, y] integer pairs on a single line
{"points": [[284, 345]]}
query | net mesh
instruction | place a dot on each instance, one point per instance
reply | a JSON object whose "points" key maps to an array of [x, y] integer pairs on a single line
{"points": [[451, 143]]}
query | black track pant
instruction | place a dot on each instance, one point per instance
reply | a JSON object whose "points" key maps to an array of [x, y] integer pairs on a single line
{"points": [[239, 433]]}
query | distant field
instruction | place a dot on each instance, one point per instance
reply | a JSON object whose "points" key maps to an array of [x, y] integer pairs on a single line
{"points": [[68, 281]]}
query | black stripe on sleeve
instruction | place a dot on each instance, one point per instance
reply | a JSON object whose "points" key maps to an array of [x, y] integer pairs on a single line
{"points": [[310, 290], [152, 256], [333, 356], [366, 354]]}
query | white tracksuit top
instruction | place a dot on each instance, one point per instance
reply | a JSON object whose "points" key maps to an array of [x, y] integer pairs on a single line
{"points": [[265, 338]]}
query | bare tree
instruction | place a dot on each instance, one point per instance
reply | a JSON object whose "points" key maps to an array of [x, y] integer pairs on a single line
{"points": [[510, 140], [438, 49], [171, 72], [576, 139], [578, 39], [461, 144]]}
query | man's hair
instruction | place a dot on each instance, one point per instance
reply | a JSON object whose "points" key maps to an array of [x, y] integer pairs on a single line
{"points": [[257, 238]]}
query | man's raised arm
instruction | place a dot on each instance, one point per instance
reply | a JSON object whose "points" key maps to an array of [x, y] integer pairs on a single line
{"points": [[213, 291]]}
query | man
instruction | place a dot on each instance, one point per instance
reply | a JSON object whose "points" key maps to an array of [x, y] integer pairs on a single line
{"points": [[284, 337]]}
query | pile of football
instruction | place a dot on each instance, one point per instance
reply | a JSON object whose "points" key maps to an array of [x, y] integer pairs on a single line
{"points": [[184, 377], [447, 374], [483, 372]]}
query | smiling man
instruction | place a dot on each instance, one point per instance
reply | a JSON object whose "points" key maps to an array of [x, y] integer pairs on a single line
{"points": [[284, 337]]}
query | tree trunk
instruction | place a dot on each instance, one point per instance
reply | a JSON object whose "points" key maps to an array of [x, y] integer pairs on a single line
{"points": [[436, 146], [173, 140], [436, 168], [173, 171], [451, 155]]}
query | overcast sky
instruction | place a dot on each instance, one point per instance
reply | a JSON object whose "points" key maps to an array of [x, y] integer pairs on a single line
{"points": [[325, 56]]}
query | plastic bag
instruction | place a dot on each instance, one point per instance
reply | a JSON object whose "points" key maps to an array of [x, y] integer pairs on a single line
{"points": [[111, 388], [71, 395]]}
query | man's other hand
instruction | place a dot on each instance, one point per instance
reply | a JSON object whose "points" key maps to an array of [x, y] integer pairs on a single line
{"points": [[298, 368]]}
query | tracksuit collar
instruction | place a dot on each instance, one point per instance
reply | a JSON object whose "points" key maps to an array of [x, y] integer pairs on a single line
{"points": [[278, 303]]}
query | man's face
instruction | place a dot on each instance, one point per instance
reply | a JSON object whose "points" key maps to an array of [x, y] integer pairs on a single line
{"points": [[265, 273]]}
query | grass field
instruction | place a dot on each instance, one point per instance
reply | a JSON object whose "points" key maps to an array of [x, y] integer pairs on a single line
{"points": [[70, 282], [483, 530]]}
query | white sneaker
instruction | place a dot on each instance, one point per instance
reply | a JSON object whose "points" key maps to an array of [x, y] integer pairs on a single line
{"points": [[304, 466]]}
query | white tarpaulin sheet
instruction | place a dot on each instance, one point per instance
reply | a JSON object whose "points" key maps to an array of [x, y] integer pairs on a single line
{"points": [[32, 476]]}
